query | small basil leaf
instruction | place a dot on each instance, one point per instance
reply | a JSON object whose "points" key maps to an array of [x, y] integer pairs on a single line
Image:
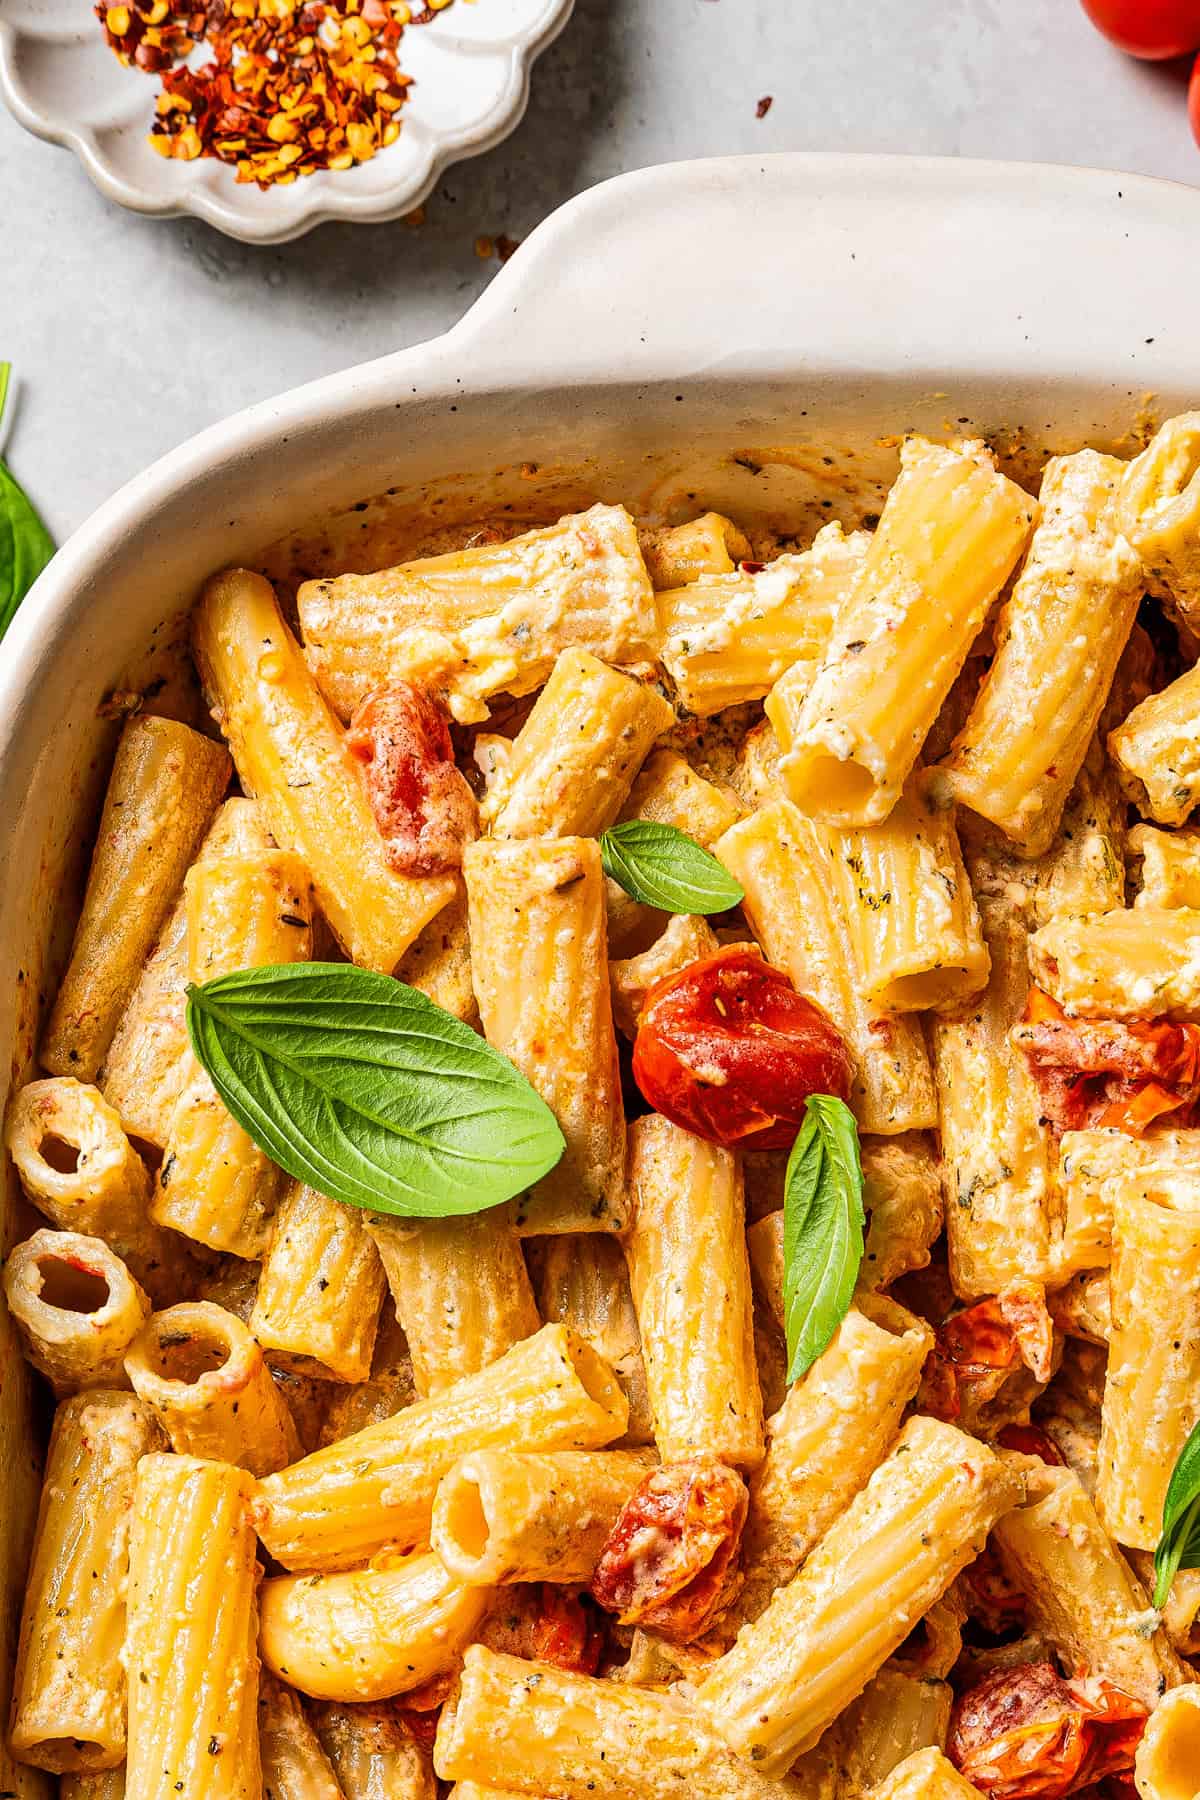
{"points": [[822, 1229], [1179, 1545], [370, 1093], [664, 867], [25, 544]]}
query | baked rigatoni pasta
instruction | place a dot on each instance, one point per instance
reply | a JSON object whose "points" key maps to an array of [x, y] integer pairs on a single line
{"points": [[1134, 963], [782, 861], [147, 1061], [292, 756], [536, 1729], [337, 1507], [727, 637], [438, 963], [541, 979], [833, 1430], [76, 1307], [370, 1633], [1157, 751], [78, 1167], [1080, 1592], [200, 1371], [925, 1775], [902, 1194], [1169, 871], [1152, 1389], [294, 1766], [690, 1276], [1059, 636], [1169, 1752], [164, 787], [372, 1753], [583, 1281], [317, 1304], [68, 1707], [923, 1515], [514, 1515], [896, 1716], [1160, 513], [949, 535], [215, 1185], [460, 1289], [572, 764], [488, 619], [190, 1649], [684, 939], [677, 554]]}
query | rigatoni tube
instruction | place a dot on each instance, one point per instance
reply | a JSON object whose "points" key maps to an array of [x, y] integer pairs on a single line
{"points": [[165, 784], [317, 1305], [509, 1515], [203, 1374], [294, 1766], [337, 1507], [487, 619], [1161, 514], [950, 533], [690, 1276], [190, 1650], [76, 1307], [1138, 962], [539, 962], [1157, 750], [148, 1060], [292, 755], [708, 545], [77, 1166], [925, 1775], [834, 1429], [371, 1633], [372, 1754], [68, 1708], [540, 1730], [583, 1282], [460, 1289], [1168, 1755], [1059, 637], [923, 1515], [215, 1184], [574, 759], [783, 862], [1082, 1597], [1152, 1390]]}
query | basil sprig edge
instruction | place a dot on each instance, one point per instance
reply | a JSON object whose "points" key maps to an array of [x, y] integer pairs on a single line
{"points": [[823, 1221], [368, 1091], [663, 867], [25, 544], [1179, 1545]]}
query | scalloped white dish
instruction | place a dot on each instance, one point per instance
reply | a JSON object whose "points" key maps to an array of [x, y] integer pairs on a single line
{"points": [[471, 82]]}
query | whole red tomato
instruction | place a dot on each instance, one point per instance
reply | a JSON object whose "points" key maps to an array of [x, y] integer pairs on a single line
{"points": [[1151, 29], [1194, 99], [729, 1050]]}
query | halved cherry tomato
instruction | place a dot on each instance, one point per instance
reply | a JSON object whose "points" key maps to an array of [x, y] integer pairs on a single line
{"points": [[1030, 1440], [1119, 1072], [423, 807], [729, 1050], [1194, 99], [1026, 1734], [1151, 29], [666, 1562]]}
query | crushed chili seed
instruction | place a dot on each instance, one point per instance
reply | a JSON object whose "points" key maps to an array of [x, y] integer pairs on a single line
{"points": [[764, 106], [292, 85]]}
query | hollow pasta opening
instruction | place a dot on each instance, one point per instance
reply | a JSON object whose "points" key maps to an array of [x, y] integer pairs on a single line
{"points": [[73, 1756], [1174, 1761], [71, 1288], [58, 1154], [838, 786], [592, 1371], [176, 1357], [467, 1521]]}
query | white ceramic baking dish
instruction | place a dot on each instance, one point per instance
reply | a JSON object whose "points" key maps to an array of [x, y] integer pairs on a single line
{"points": [[748, 332]]}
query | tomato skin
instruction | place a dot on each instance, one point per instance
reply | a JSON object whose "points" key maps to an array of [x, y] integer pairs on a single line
{"points": [[1194, 100], [1153, 30], [424, 809], [729, 1050]]}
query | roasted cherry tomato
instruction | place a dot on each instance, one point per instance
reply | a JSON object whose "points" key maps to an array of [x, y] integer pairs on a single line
{"points": [[1194, 99], [1030, 1440], [1118, 1072], [423, 807], [666, 1562], [544, 1622], [1026, 1734], [1151, 29], [729, 1050]]}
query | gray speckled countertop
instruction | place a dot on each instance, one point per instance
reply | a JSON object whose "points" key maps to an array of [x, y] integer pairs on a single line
{"points": [[131, 333]]}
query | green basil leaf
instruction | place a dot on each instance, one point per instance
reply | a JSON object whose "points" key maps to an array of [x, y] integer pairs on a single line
{"points": [[666, 868], [25, 544], [823, 1222], [370, 1093], [1179, 1545]]}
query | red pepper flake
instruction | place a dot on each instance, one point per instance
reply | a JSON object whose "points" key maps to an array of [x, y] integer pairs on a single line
{"points": [[290, 88], [764, 106]]}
